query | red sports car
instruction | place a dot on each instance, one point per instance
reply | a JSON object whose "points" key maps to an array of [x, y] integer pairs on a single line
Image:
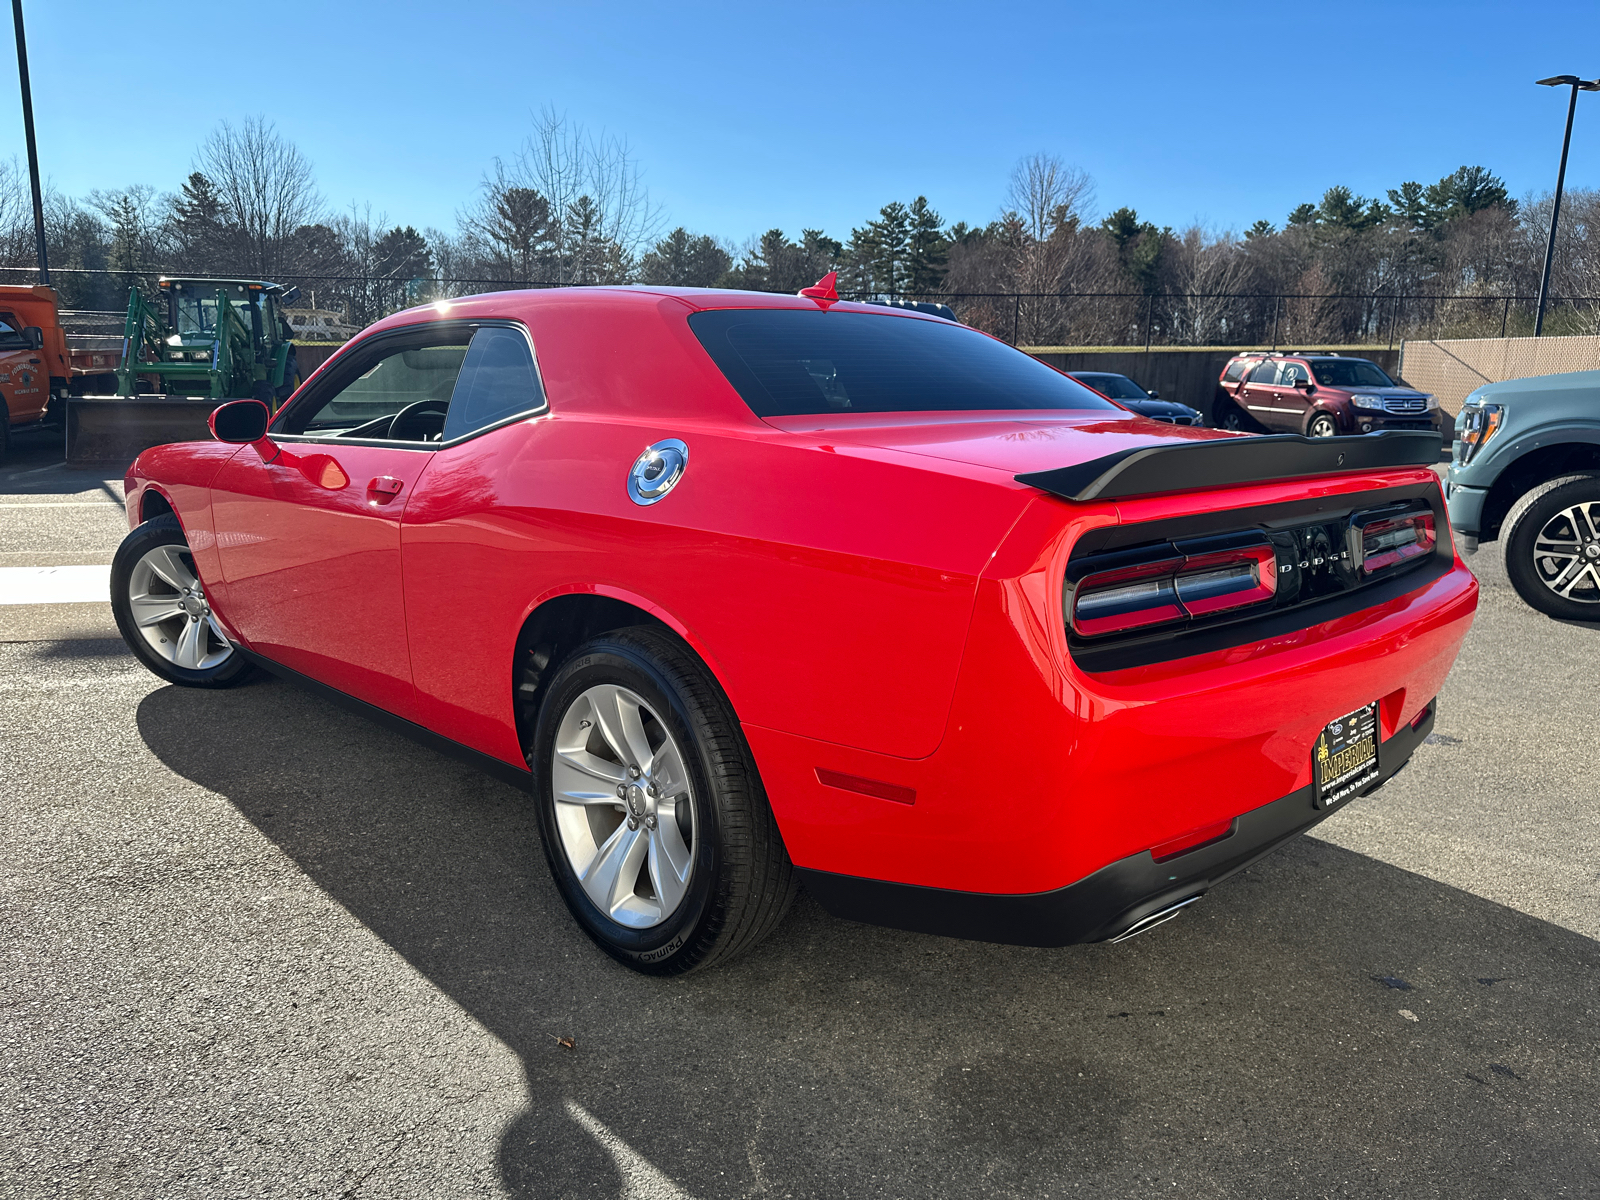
{"points": [[750, 590]]}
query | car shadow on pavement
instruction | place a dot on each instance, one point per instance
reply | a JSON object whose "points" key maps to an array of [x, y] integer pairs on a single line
{"points": [[1321, 1023]]}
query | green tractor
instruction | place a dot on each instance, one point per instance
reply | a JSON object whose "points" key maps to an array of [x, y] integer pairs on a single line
{"points": [[202, 341], [223, 339]]}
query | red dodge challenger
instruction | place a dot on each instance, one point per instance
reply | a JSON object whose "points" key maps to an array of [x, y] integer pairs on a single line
{"points": [[749, 590]]}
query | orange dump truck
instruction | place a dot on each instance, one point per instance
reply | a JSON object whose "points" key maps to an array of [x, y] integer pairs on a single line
{"points": [[40, 361]]}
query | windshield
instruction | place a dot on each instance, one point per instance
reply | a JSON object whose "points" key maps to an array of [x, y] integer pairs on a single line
{"points": [[1349, 372], [793, 362], [194, 312], [1118, 387]]}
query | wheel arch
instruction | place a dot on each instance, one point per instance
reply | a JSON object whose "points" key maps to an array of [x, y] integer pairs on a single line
{"points": [[558, 623], [1318, 409], [1577, 450], [155, 503]]}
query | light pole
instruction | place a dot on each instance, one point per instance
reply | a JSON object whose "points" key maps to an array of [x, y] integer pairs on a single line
{"points": [[1577, 85], [33, 150]]}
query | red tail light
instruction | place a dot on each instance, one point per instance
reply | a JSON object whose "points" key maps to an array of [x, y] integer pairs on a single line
{"points": [[1390, 541], [1174, 589]]}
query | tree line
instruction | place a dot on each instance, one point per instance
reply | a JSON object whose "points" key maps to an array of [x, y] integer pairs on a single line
{"points": [[571, 207]]}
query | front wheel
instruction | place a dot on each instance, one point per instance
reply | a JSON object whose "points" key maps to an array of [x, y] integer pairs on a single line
{"points": [[162, 611], [1323, 425], [1552, 547], [653, 818]]}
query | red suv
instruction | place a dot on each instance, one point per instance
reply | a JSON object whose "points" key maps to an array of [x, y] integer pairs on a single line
{"points": [[1319, 395]]}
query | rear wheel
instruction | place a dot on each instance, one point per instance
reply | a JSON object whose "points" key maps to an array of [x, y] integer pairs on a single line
{"points": [[1323, 425], [162, 611], [654, 821], [1552, 547], [1225, 414]]}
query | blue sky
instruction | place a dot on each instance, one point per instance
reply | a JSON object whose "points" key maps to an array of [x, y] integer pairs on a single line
{"points": [[755, 115]]}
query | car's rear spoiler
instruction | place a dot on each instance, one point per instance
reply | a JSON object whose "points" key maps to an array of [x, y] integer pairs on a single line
{"points": [[1214, 462]]}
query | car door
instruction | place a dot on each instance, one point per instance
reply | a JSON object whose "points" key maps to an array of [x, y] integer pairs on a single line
{"points": [[1261, 394], [1291, 397], [477, 540], [308, 520]]}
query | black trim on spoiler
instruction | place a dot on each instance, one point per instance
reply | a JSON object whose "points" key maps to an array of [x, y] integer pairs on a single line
{"points": [[1115, 898], [1186, 465]]}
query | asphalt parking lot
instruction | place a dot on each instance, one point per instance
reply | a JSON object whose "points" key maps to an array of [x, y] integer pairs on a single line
{"points": [[255, 946]]}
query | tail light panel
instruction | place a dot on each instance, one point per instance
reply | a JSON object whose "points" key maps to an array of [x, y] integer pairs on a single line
{"points": [[1167, 597], [1204, 578]]}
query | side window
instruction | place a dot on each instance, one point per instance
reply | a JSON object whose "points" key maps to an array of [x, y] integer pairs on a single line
{"points": [[1266, 371], [498, 380], [10, 330], [1291, 372], [403, 395]]}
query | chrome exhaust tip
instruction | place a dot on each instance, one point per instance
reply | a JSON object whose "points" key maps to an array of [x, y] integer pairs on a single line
{"points": [[1159, 917]]}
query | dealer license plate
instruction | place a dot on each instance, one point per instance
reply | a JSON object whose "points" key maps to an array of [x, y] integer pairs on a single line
{"points": [[1345, 759]]}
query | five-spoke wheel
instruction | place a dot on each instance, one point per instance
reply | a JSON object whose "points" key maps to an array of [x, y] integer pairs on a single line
{"points": [[624, 806], [653, 817], [162, 612]]}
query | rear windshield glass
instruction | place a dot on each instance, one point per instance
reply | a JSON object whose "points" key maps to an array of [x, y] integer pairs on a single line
{"points": [[1118, 387], [789, 362], [1349, 372]]}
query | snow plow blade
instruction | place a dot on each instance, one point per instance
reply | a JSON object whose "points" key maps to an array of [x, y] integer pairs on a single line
{"points": [[112, 430]]}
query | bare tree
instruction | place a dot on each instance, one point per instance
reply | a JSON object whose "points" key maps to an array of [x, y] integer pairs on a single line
{"points": [[266, 187], [1047, 194], [588, 214], [1209, 272]]}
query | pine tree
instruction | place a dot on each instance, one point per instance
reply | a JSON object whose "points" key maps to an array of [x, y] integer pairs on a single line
{"points": [[927, 248]]}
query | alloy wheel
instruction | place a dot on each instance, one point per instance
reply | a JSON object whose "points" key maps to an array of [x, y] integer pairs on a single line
{"points": [[169, 609], [623, 806], [1566, 553], [1323, 426]]}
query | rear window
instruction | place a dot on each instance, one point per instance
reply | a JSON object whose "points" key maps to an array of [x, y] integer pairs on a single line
{"points": [[789, 362]]}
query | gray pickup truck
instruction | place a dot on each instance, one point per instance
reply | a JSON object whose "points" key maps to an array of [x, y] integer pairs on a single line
{"points": [[1525, 470]]}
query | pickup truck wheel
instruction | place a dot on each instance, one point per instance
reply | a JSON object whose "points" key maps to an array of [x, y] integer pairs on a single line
{"points": [[162, 611], [653, 817], [1552, 547]]}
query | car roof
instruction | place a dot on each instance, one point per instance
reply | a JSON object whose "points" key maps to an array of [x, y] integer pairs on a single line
{"points": [[626, 351]]}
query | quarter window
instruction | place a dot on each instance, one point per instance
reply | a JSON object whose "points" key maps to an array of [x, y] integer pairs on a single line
{"points": [[497, 381]]}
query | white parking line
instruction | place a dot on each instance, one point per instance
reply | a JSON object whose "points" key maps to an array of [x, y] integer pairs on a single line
{"points": [[68, 504], [55, 585]]}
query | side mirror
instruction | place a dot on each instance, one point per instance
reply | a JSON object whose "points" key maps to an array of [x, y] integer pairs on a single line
{"points": [[239, 422], [1311, 388], [1153, 394], [34, 336], [290, 296]]}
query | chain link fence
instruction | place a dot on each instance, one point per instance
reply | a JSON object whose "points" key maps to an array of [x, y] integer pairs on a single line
{"points": [[334, 307]]}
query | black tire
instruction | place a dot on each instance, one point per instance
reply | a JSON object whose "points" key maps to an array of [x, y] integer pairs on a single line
{"points": [[153, 534], [1520, 536], [1225, 414], [741, 882], [1322, 425]]}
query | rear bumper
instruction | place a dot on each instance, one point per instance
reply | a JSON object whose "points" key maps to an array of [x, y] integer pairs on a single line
{"points": [[1111, 900]]}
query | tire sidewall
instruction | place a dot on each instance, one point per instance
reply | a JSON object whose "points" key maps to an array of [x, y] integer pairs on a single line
{"points": [[1527, 518], [1322, 417], [160, 531], [662, 948]]}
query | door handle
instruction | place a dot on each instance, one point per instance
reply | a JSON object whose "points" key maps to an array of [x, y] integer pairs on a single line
{"points": [[383, 489]]}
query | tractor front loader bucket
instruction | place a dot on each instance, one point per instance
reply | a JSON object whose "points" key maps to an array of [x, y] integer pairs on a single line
{"points": [[112, 430]]}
